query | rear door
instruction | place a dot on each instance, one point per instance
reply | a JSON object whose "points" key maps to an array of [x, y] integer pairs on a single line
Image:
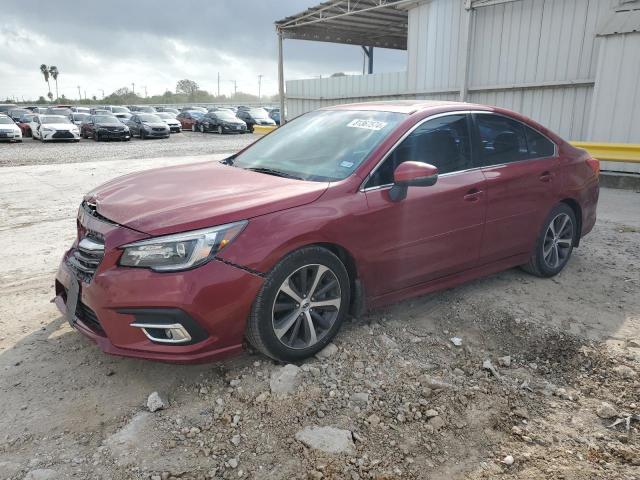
{"points": [[521, 167], [435, 231]]}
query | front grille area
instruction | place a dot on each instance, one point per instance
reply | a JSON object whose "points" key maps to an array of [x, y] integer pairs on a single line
{"points": [[85, 258], [63, 134], [159, 129]]}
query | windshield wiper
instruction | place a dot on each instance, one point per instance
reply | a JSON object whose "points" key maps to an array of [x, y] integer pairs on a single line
{"points": [[227, 161], [271, 171]]}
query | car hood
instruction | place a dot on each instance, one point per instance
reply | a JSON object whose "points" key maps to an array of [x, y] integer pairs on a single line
{"points": [[114, 124], [9, 126], [155, 124], [187, 197]]}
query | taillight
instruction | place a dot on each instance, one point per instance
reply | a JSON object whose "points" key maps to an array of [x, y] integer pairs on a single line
{"points": [[594, 163]]}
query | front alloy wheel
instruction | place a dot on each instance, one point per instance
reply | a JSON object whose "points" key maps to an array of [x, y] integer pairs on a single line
{"points": [[220, 129], [301, 305]]}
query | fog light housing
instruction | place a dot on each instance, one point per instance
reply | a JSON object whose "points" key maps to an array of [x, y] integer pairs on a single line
{"points": [[163, 333]]}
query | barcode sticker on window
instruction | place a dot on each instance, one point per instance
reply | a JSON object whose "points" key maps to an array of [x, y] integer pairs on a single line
{"points": [[368, 124]]}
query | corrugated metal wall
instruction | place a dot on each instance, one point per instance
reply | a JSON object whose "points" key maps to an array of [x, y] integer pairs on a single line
{"points": [[538, 57]]}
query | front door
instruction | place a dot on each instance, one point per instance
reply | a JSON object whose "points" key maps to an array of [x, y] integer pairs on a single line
{"points": [[435, 231]]}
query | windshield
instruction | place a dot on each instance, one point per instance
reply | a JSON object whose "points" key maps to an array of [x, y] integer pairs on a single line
{"points": [[150, 118], [325, 145], [59, 111], [195, 114], [80, 116], [54, 119], [166, 116], [5, 121], [105, 119], [258, 113], [119, 109]]}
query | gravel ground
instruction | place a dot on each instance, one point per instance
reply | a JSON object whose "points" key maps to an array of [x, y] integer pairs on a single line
{"points": [[541, 381], [33, 152]]}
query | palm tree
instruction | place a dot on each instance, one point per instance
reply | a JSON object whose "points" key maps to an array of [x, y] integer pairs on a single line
{"points": [[53, 71], [45, 71]]}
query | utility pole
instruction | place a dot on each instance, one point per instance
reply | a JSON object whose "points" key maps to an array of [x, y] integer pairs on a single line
{"points": [[235, 88], [79, 94], [259, 85], [218, 84], [85, 94], [145, 91], [133, 87], [102, 92]]}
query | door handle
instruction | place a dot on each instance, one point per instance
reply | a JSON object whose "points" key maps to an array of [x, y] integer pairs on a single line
{"points": [[546, 177], [473, 195]]}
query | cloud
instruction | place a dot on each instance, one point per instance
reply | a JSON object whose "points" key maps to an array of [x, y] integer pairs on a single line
{"points": [[107, 45]]}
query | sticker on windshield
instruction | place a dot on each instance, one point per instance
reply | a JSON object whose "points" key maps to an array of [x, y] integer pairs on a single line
{"points": [[346, 164], [368, 124]]}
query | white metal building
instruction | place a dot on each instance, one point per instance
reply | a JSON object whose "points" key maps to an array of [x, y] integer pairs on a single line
{"points": [[573, 65]]}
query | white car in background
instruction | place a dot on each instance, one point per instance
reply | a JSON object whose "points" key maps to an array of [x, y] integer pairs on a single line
{"points": [[170, 119], [54, 127], [9, 131]]}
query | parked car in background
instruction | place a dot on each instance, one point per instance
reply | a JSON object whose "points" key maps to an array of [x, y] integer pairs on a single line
{"points": [[16, 113], [123, 117], [100, 111], [274, 115], [5, 107], [172, 110], [194, 109], [117, 109], [54, 127], [221, 121], [341, 208], [255, 116], [148, 125], [24, 123], [171, 120], [9, 131], [81, 110], [66, 111], [141, 108], [78, 119], [188, 119], [104, 127]]}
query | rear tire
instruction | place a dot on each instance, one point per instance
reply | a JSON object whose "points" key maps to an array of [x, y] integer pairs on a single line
{"points": [[219, 129], [296, 325], [554, 244], [143, 135]]}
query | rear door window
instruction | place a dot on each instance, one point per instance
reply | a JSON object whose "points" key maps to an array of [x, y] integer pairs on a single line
{"points": [[539, 145], [502, 140]]}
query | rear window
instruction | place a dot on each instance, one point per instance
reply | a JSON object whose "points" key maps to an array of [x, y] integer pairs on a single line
{"points": [[539, 145]]}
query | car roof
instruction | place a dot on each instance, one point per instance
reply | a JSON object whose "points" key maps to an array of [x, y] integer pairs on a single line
{"points": [[406, 106]]}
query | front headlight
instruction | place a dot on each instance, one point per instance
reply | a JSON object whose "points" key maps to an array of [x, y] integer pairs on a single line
{"points": [[180, 251]]}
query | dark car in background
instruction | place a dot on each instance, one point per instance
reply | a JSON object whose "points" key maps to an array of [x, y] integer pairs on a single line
{"points": [[148, 125], [16, 113], [104, 127], [221, 121], [193, 109], [86, 110], [123, 117], [100, 111], [255, 116], [188, 119], [24, 123], [79, 118], [274, 114]]}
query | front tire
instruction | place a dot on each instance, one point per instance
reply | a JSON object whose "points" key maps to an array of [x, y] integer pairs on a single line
{"points": [[301, 305], [193, 127], [219, 129], [143, 135], [555, 243]]}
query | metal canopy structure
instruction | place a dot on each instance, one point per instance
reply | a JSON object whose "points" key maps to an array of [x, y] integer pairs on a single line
{"points": [[368, 23], [373, 23]]}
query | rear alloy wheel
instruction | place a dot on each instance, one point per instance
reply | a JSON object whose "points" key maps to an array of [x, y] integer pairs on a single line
{"points": [[202, 127], [220, 129], [555, 243], [301, 305], [142, 135]]}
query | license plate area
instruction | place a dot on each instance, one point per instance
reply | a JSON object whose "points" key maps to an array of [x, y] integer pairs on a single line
{"points": [[73, 294]]}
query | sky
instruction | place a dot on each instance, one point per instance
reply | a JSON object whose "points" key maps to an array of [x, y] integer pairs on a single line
{"points": [[105, 45]]}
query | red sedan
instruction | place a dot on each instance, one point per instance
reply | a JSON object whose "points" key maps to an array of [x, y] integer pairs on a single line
{"points": [[24, 122], [342, 209]]}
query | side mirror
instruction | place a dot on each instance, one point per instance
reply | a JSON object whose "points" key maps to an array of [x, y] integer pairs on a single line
{"points": [[411, 174]]}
